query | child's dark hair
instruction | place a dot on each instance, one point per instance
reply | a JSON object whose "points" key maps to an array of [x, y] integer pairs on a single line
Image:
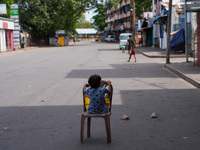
{"points": [[94, 81], [132, 42]]}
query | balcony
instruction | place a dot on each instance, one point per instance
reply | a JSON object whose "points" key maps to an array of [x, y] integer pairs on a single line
{"points": [[122, 4], [125, 25], [125, 15], [128, 13], [125, 2], [128, 1], [120, 16], [128, 25]]}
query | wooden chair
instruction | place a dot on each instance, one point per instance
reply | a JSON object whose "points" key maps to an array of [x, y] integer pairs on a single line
{"points": [[106, 117]]}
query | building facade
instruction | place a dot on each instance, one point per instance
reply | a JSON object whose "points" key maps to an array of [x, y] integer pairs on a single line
{"points": [[119, 19], [6, 34]]}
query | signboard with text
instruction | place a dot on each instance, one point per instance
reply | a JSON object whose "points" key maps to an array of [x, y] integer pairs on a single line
{"points": [[14, 6], [6, 24], [14, 12], [15, 17], [3, 9]]}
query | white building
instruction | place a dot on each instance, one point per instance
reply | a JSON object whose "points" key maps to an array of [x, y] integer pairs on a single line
{"points": [[6, 34]]}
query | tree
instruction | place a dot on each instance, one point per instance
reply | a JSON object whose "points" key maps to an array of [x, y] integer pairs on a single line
{"points": [[8, 4], [82, 23], [139, 5], [99, 19], [44, 17]]}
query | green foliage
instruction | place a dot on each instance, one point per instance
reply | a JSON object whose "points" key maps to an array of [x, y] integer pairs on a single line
{"points": [[8, 4], [99, 19], [82, 23], [114, 2], [139, 5], [44, 17]]}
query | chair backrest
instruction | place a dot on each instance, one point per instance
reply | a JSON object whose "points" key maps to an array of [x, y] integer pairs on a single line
{"points": [[109, 97]]}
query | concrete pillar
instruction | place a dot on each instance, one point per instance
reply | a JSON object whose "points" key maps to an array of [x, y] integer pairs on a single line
{"points": [[198, 38]]}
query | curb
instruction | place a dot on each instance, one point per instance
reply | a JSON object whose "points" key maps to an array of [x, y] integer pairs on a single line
{"points": [[150, 56], [180, 74], [159, 56]]}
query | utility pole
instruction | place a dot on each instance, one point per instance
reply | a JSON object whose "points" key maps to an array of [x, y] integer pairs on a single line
{"points": [[186, 39], [133, 1], [168, 31]]}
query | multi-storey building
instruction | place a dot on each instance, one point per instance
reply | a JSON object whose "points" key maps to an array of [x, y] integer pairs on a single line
{"points": [[119, 19]]}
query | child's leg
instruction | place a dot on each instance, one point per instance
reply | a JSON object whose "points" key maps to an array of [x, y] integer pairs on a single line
{"points": [[135, 58], [129, 57]]}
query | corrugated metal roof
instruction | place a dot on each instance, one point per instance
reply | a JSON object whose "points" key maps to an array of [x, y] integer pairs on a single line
{"points": [[86, 31]]}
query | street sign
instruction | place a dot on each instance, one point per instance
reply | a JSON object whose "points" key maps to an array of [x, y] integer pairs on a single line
{"points": [[16, 20], [16, 43], [16, 39], [14, 12], [16, 24], [14, 6], [3, 9], [17, 27], [14, 17]]}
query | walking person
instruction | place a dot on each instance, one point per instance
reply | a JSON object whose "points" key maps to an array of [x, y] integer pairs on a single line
{"points": [[140, 42], [133, 46], [74, 40], [129, 43]]}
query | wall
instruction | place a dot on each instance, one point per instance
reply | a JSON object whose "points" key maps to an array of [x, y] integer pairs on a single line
{"points": [[6, 25], [2, 41]]}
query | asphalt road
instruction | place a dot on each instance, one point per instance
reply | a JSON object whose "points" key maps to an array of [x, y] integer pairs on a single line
{"points": [[41, 101]]}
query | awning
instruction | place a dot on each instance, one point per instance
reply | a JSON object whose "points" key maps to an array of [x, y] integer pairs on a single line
{"points": [[145, 28], [172, 33], [86, 31], [158, 18]]}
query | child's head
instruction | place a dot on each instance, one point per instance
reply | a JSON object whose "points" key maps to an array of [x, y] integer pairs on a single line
{"points": [[132, 42], [94, 81]]}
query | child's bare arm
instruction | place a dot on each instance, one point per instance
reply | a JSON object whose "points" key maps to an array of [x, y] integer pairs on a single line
{"points": [[109, 85], [105, 82], [85, 86], [102, 82]]}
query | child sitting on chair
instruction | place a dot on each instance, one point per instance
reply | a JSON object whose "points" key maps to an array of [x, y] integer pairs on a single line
{"points": [[96, 94]]}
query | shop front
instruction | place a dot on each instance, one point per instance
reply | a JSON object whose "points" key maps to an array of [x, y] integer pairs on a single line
{"points": [[6, 34]]}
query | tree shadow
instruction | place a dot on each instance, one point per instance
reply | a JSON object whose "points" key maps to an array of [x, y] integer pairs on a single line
{"points": [[140, 70], [58, 127]]}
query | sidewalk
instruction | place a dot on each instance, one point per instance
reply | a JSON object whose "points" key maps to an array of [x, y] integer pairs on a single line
{"points": [[187, 71]]}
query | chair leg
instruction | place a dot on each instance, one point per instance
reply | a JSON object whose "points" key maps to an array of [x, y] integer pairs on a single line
{"points": [[88, 126], [107, 130], [82, 127]]}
